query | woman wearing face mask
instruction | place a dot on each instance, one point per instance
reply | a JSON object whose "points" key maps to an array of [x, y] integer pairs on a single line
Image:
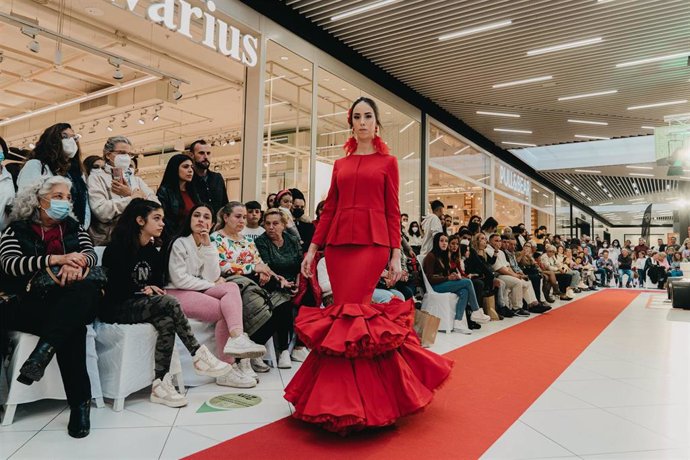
{"points": [[416, 236], [44, 233], [177, 194], [113, 187], [57, 154], [6, 187]]}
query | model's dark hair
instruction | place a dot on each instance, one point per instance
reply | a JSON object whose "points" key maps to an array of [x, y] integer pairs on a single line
{"points": [[127, 230], [418, 232], [371, 103]]}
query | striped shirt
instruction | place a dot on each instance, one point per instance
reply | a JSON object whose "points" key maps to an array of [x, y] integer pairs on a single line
{"points": [[14, 263]]}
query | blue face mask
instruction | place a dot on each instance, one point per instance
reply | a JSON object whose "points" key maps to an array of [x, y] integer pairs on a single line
{"points": [[58, 210], [2, 156]]}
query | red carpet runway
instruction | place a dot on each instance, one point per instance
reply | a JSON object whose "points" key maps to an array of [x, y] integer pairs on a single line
{"points": [[494, 381]]}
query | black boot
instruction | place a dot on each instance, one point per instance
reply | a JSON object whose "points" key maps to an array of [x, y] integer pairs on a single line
{"points": [[471, 324], [33, 368], [79, 420]]}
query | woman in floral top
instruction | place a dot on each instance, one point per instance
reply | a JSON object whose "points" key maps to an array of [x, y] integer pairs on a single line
{"points": [[240, 262]]}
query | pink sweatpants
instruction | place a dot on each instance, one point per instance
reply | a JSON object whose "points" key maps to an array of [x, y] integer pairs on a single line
{"points": [[221, 304]]}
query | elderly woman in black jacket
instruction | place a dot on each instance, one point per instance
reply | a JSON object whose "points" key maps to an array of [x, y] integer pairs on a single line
{"points": [[45, 234]]}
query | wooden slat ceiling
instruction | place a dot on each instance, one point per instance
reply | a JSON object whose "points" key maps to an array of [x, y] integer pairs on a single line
{"points": [[458, 74]]}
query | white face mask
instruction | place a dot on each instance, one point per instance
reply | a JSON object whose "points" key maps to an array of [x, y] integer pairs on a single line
{"points": [[69, 146], [122, 161]]}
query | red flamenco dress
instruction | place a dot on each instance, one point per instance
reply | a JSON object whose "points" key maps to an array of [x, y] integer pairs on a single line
{"points": [[367, 367]]}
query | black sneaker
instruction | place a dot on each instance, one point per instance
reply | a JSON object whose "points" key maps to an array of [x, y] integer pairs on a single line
{"points": [[505, 312], [472, 325], [539, 309], [521, 312]]}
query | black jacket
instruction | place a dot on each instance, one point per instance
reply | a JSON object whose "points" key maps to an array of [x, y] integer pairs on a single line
{"points": [[211, 190], [172, 204]]}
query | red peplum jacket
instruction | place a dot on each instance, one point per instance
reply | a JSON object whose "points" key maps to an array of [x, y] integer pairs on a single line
{"points": [[362, 206]]}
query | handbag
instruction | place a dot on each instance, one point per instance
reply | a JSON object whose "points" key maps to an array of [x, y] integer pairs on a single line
{"points": [[46, 280]]}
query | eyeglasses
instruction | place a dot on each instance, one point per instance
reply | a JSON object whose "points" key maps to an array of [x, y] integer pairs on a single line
{"points": [[76, 137], [121, 152]]}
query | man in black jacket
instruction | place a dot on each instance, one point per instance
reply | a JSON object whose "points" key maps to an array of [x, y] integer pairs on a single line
{"points": [[209, 185]]}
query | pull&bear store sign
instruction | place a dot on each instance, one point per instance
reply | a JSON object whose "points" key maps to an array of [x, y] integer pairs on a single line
{"points": [[513, 181], [217, 35]]}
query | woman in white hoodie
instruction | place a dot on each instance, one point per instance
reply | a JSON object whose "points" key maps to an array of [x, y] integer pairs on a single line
{"points": [[204, 295]]}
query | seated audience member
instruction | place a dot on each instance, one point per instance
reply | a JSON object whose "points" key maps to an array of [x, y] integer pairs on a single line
{"points": [[416, 236], [6, 187], [673, 243], [641, 246], [625, 268], [284, 203], [431, 225], [457, 253], [686, 250], [57, 153], [640, 265], [481, 265], [675, 264], [525, 260], [282, 253], [476, 219], [437, 271], [135, 295], [304, 225], [209, 185], [550, 262], [404, 222], [91, 163], [606, 268], [44, 233], [265, 313], [195, 281], [657, 269], [253, 229], [112, 188], [534, 277], [474, 228], [538, 239], [177, 194], [565, 257], [271, 201]]}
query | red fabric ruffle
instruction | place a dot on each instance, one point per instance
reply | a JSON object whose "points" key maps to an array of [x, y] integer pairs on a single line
{"points": [[370, 382]]}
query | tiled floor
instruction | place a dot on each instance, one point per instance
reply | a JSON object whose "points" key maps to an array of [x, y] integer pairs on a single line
{"points": [[626, 397]]}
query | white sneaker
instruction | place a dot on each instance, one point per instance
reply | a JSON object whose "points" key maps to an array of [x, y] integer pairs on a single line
{"points": [[478, 316], [243, 347], [164, 392], [458, 327], [284, 361], [207, 364], [570, 294], [259, 365], [234, 378], [246, 368], [299, 354]]}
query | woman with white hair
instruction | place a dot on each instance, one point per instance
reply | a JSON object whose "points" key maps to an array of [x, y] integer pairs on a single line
{"points": [[44, 234], [112, 188]]}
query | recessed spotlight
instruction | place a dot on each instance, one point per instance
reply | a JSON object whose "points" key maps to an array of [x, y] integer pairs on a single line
{"points": [[564, 46], [522, 82], [475, 30], [284, 58], [658, 104], [581, 96], [499, 114]]}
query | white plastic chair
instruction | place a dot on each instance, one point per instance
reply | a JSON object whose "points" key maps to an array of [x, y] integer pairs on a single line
{"points": [[440, 304], [126, 360], [50, 386]]}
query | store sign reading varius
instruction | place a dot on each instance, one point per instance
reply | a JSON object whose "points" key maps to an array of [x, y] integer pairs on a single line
{"points": [[218, 35], [513, 181]]}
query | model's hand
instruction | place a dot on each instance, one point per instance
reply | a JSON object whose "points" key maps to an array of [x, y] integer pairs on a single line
{"points": [[394, 267], [307, 262]]}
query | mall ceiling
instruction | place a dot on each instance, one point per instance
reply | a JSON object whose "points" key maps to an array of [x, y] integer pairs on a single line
{"points": [[526, 73]]}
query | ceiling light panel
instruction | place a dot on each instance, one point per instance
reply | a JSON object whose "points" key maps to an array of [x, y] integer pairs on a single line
{"points": [[658, 104], [475, 30], [581, 96], [588, 136], [654, 59], [498, 114], [518, 131], [587, 122], [363, 9], [523, 82], [521, 144], [565, 46]]}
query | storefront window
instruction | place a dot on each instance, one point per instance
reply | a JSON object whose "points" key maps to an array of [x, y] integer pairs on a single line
{"points": [[542, 208], [400, 132], [508, 212], [287, 126], [582, 223], [459, 175], [563, 226]]}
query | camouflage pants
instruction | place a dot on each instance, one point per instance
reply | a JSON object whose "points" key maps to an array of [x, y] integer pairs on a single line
{"points": [[164, 313]]}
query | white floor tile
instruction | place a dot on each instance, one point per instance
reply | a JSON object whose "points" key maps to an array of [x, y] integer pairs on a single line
{"points": [[272, 407], [117, 444], [580, 372], [594, 431], [522, 442], [671, 420], [609, 393], [34, 416], [553, 399], [107, 418], [672, 454], [184, 441], [617, 369], [10, 441]]}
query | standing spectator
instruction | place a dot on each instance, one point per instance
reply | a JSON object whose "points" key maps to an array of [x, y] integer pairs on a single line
{"points": [[489, 227], [271, 201], [539, 239], [177, 194], [404, 222], [135, 295], [448, 224], [431, 225], [113, 187], [253, 230], [661, 246], [91, 163], [43, 234], [204, 295], [302, 220], [641, 246], [625, 268], [57, 153], [209, 185], [673, 244], [416, 236], [6, 187]]}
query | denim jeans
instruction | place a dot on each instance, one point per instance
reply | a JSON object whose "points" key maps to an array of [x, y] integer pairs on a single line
{"points": [[385, 295], [464, 289], [624, 271]]}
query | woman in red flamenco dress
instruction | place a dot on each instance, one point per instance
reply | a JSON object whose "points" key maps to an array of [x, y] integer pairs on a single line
{"points": [[367, 367]]}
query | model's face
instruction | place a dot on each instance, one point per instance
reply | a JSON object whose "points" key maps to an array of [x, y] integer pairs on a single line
{"points": [[236, 220], [186, 171], [253, 216], [202, 219], [454, 245], [274, 226], [202, 155], [363, 121], [443, 243], [154, 223]]}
